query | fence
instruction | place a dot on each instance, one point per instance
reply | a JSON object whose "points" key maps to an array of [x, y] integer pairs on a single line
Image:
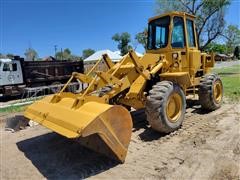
{"points": [[34, 92]]}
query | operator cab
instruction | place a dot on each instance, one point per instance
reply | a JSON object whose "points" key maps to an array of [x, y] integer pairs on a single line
{"points": [[169, 31], [174, 36]]}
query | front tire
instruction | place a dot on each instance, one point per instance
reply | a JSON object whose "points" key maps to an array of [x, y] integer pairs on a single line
{"points": [[165, 107]]}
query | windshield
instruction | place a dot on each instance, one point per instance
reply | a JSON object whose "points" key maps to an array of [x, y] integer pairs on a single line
{"points": [[178, 39], [158, 33]]}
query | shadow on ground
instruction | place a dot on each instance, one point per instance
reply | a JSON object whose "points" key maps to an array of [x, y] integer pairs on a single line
{"points": [[57, 157], [140, 122], [193, 107]]}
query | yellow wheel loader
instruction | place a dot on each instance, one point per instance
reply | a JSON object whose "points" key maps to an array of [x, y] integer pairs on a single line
{"points": [[172, 68]]}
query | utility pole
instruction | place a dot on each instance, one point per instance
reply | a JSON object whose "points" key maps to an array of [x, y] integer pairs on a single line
{"points": [[61, 54], [55, 49]]}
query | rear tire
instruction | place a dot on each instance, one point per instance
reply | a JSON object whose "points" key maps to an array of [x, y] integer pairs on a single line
{"points": [[210, 92], [165, 107]]}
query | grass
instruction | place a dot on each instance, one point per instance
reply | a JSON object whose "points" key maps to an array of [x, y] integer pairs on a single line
{"points": [[231, 81], [228, 70], [17, 108], [13, 109]]}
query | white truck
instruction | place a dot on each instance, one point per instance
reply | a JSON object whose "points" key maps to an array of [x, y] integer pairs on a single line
{"points": [[17, 74]]}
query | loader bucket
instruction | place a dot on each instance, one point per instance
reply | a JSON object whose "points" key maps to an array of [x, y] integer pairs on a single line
{"points": [[101, 127]]}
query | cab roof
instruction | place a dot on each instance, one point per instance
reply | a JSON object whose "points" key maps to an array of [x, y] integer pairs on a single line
{"points": [[5, 60], [172, 13]]}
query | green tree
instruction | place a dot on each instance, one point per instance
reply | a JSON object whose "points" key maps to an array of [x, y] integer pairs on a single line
{"points": [[123, 41], [67, 54], [141, 38], [64, 55], [232, 34], [10, 56], [217, 48], [209, 16], [76, 58], [31, 54], [59, 55], [87, 52], [67, 51]]}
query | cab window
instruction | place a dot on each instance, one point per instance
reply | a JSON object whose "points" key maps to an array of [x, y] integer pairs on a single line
{"points": [[178, 40], [6, 67], [158, 33], [14, 66], [190, 33], [10, 67]]}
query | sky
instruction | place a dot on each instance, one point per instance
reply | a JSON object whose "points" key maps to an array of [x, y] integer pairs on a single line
{"points": [[76, 24]]}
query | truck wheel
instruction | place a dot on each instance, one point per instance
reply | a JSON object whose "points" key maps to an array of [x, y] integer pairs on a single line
{"points": [[210, 92], [165, 107], [78, 87], [75, 87], [55, 87]]}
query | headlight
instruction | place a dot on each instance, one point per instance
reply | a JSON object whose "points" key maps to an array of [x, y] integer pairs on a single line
{"points": [[175, 65], [175, 55]]}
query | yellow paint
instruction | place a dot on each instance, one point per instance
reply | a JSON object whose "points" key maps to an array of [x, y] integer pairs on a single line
{"points": [[174, 107], [218, 91]]}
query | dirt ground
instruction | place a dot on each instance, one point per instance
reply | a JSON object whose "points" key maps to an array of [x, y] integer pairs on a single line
{"points": [[206, 147]]}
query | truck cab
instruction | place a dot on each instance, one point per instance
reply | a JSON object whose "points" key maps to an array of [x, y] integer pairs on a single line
{"points": [[10, 73]]}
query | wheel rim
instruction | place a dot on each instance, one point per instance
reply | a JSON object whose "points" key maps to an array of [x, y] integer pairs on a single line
{"points": [[174, 107], [217, 91]]}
